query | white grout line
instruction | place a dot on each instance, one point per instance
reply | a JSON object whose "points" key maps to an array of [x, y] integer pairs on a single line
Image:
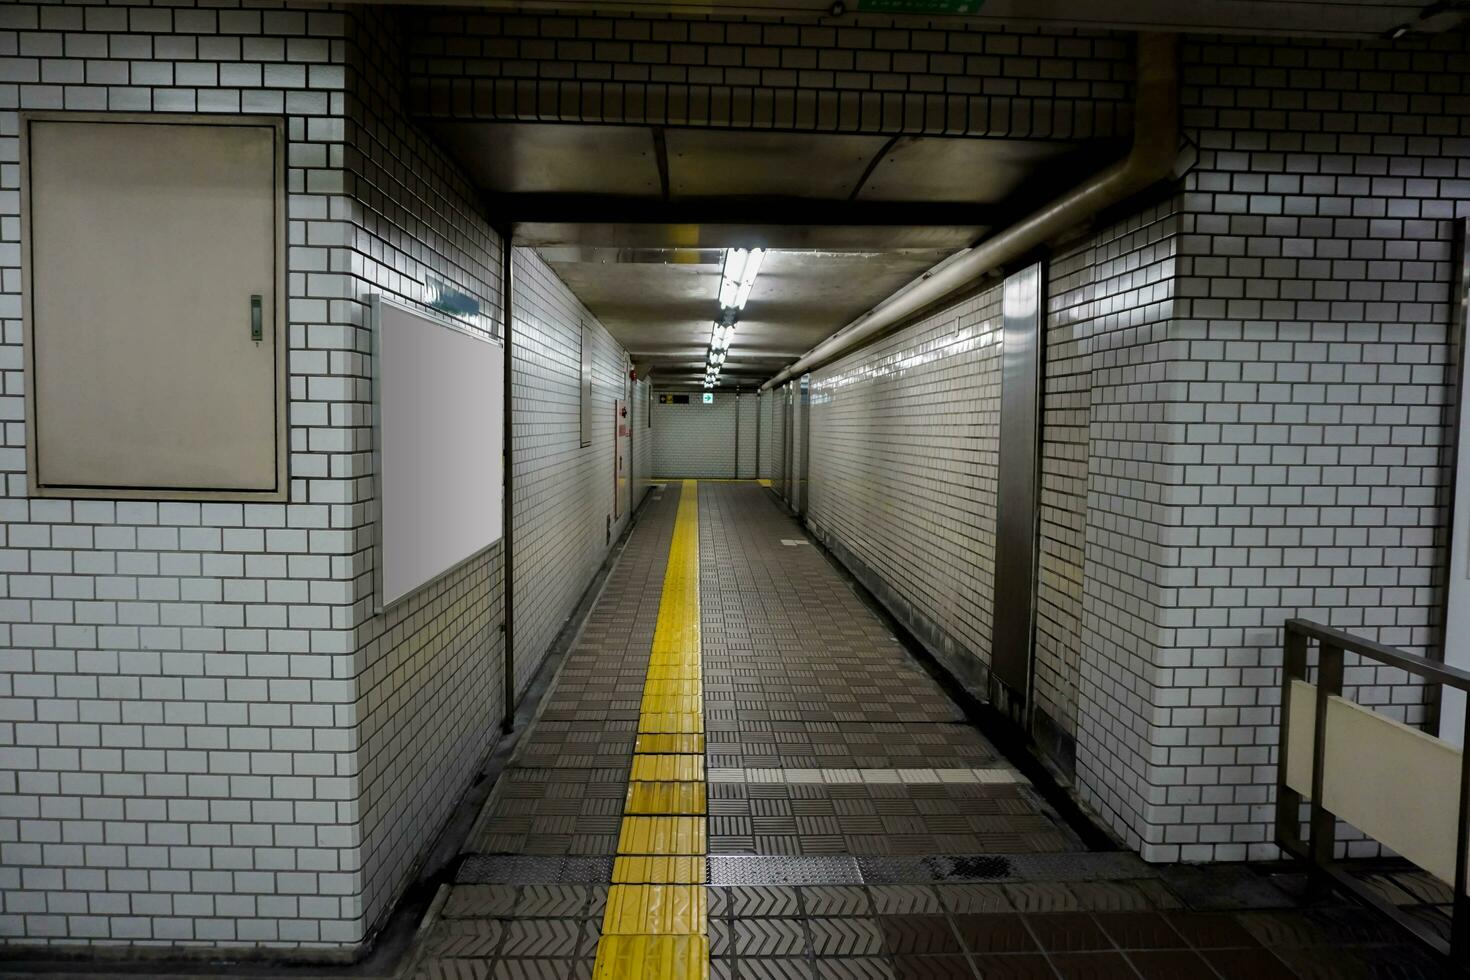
{"points": [[888, 776]]}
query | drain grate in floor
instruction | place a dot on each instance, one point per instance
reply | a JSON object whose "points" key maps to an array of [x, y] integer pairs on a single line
{"points": [[495, 869]]}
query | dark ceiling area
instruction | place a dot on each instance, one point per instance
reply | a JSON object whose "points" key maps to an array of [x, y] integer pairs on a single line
{"points": [[635, 219]]}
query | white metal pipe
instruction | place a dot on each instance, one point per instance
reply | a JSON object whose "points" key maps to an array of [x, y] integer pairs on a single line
{"points": [[1151, 159]]}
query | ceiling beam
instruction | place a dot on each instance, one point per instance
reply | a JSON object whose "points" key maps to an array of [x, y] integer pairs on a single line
{"points": [[627, 209]]}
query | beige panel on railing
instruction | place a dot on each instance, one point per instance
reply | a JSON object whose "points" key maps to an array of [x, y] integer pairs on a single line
{"points": [[1395, 783]]}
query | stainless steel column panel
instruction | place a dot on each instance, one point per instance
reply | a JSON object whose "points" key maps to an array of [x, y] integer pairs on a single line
{"points": [[790, 417], [508, 490], [803, 472], [1017, 504]]}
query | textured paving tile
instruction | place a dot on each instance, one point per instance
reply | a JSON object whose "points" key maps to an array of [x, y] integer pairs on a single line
{"points": [[914, 934], [1092, 966], [455, 970], [769, 937], [1004, 933], [541, 937], [1067, 932], [844, 937], [857, 827]]}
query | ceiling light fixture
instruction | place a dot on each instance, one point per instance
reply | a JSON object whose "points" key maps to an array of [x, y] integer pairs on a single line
{"points": [[721, 336], [741, 267]]}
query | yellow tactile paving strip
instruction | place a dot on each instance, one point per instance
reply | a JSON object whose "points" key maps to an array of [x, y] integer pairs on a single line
{"points": [[657, 923]]}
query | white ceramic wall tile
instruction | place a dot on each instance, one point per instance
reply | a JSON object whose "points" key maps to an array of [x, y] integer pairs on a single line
{"points": [[695, 439], [206, 735], [904, 444]]}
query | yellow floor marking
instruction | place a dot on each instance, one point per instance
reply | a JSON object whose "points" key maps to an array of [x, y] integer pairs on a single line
{"points": [[652, 958], [672, 722], [657, 917], [674, 672], [676, 479], [666, 798], [764, 483], [658, 869], [663, 704], [655, 910], [668, 768], [665, 686], [662, 835], [670, 744]]}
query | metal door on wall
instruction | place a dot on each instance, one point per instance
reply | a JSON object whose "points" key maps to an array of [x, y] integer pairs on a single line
{"points": [[623, 434], [154, 342]]}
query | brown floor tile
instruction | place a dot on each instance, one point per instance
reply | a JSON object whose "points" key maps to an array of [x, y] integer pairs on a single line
{"points": [[854, 968], [994, 933], [1171, 964], [1093, 966], [1068, 932], [918, 934], [932, 968], [1023, 966], [1211, 930], [1248, 964], [1139, 930]]}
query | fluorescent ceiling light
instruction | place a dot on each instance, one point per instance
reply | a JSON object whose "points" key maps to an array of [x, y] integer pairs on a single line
{"points": [[741, 267], [747, 277], [721, 337]]}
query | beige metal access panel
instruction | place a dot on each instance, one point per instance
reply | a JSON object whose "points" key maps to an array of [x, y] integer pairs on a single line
{"points": [[154, 269]]}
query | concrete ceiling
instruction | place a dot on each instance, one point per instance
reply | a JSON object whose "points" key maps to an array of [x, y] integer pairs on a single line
{"points": [[635, 220], [660, 303]]}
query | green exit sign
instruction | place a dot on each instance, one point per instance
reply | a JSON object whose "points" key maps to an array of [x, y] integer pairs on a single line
{"points": [[921, 6], [709, 398]]}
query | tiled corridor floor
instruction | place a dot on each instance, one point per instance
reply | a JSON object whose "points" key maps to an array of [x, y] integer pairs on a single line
{"points": [[783, 792]]}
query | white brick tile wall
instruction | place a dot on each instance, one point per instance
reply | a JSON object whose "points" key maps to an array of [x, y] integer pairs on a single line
{"points": [[904, 447], [766, 450], [695, 440], [206, 737], [178, 731], [1244, 411], [746, 434], [564, 493], [870, 74], [640, 410]]}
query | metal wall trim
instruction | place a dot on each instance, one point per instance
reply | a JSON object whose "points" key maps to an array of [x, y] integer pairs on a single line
{"points": [[1017, 490]]}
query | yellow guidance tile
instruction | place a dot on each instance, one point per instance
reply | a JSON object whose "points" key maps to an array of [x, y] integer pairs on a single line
{"points": [[656, 918], [671, 722], [671, 702], [652, 958], [662, 835], [645, 869], [655, 910], [675, 672], [669, 744], [683, 799], [668, 769], [665, 686]]}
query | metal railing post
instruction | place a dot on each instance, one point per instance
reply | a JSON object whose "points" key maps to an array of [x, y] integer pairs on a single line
{"points": [[1288, 800], [1322, 843], [1319, 850], [1460, 924]]}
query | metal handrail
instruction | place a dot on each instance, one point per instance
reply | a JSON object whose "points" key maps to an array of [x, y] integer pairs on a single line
{"points": [[1319, 849]]}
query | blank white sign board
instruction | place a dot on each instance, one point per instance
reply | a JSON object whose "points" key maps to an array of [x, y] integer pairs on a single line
{"points": [[438, 402]]}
